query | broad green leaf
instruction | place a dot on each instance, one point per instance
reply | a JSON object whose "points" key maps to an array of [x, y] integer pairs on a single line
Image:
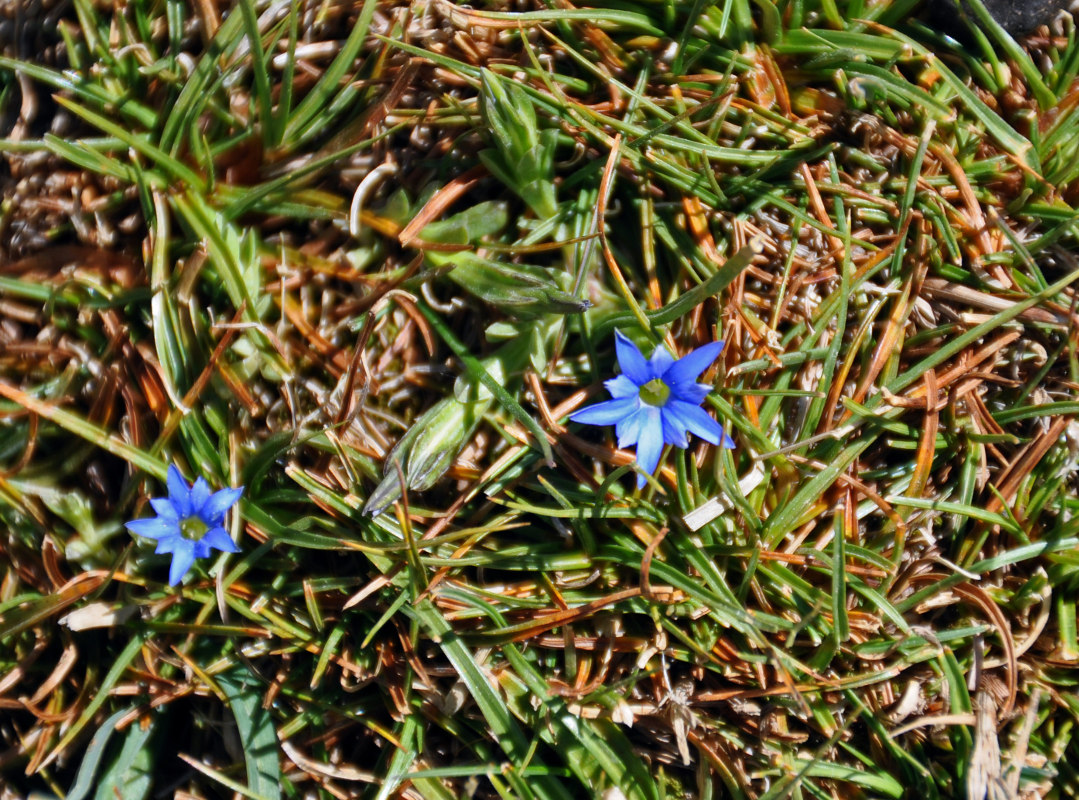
{"points": [[258, 736]]}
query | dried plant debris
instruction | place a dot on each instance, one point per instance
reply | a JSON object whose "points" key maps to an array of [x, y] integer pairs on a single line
{"points": [[370, 261]]}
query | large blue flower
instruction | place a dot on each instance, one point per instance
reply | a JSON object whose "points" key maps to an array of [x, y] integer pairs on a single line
{"points": [[189, 522], [657, 401]]}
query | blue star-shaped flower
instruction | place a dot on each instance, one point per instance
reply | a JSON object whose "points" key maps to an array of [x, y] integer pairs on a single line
{"points": [[657, 401], [188, 523]]}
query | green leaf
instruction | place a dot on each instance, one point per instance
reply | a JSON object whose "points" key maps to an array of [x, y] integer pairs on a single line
{"points": [[102, 690], [427, 449], [470, 226], [258, 736], [479, 373], [881, 784], [131, 775], [518, 289], [82, 154], [87, 91], [524, 158], [689, 300], [331, 85], [175, 169], [84, 780], [89, 431], [503, 727], [198, 89], [605, 17], [233, 252], [271, 133], [1018, 56]]}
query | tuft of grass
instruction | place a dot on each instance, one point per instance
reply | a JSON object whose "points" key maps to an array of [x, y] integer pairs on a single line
{"points": [[365, 259]]}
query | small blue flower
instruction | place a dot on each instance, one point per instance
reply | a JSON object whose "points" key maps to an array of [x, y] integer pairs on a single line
{"points": [[657, 401], [188, 523]]}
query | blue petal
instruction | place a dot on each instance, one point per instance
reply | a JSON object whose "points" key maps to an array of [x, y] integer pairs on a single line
{"points": [[200, 493], [690, 392], [202, 548], [695, 419], [219, 539], [213, 510], [621, 386], [164, 508], [167, 544], [629, 429], [607, 413], [660, 361], [182, 559], [689, 366], [153, 527], [630, 360], [650, 445], [179, 492], [674, 432]]}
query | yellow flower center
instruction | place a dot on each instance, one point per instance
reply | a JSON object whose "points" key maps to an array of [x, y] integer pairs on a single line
{"points": [[193, 528], [655, 392]]}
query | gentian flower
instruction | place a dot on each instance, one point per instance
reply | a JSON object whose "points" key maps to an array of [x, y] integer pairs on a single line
{"points": [[657, 401], [188, 523]]}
